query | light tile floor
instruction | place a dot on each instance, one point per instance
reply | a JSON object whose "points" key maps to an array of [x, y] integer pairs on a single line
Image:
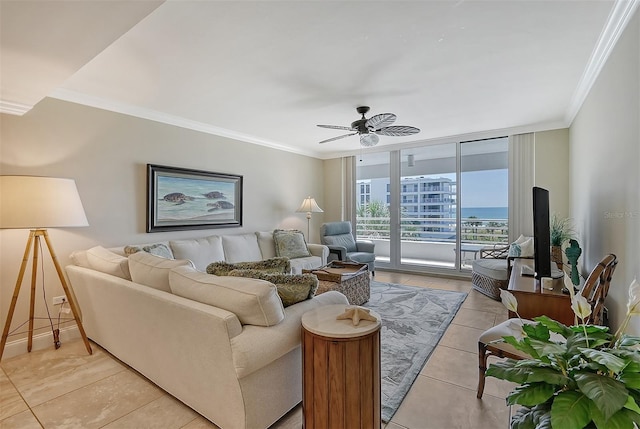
{"points": [[67, 388]]}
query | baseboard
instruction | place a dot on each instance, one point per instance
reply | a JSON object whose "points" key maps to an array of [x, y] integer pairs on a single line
{"points": [[40, 342]]}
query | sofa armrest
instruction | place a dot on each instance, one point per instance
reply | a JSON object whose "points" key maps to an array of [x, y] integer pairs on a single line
{"points": [[340, 252], [366, 246], [319, 250]]}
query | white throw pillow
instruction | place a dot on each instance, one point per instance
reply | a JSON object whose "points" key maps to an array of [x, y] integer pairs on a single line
{"points": [[200, 251], [153, 271], [105, 261], [253, 301]]}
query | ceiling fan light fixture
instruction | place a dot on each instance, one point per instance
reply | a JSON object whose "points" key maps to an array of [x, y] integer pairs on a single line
{"points": [[369, 140]]}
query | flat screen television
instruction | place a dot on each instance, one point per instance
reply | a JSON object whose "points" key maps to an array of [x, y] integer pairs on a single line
{"points": [[541, 233]]}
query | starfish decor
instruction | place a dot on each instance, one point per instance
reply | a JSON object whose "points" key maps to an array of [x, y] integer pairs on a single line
{"points": [[356, 314]]}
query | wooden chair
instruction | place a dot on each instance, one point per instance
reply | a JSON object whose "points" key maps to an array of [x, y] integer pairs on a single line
{"points": [[595, 290]]}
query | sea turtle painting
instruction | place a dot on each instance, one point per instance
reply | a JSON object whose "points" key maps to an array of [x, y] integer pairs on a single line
{"points": [[177, 197], [214, 194], [220, 205]]}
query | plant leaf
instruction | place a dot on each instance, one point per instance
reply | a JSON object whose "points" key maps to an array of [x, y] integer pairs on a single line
{"points": [[507, 370], [522, 345], [630, 379], [538, 417], [632, 405], [570, 410], [536, 331], [623, 419], [548, 348], [554, 325], [547, 375], [629, 341], [531, 394], [611, 361], [608, 394]]}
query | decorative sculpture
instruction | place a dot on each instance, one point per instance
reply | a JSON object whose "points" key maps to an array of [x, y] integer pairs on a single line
{"points": [[573, 252], [356, 314]]}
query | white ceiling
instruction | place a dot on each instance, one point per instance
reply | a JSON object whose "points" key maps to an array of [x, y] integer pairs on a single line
{"points": [[268, 71]]}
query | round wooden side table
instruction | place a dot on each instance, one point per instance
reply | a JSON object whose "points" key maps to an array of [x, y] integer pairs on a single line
{"points": [[341, 370]]}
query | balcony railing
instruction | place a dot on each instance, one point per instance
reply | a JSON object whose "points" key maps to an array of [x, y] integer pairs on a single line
{"points": [[432, 241], [442, 229]]}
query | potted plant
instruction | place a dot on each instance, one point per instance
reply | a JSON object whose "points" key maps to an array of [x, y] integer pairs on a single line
{"points": [[578, 376], [561, 231]]}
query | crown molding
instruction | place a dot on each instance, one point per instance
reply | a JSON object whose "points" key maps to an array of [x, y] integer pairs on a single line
{"points": [[152, 115], [621, 12], [12, 108]]}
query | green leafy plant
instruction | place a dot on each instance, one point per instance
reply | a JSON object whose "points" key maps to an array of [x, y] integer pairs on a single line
{"points": [[578, 376], [561, 230]]}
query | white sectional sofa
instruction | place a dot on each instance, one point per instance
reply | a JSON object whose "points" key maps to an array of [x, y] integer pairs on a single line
{"points": [[239, 248], [225, 346]]}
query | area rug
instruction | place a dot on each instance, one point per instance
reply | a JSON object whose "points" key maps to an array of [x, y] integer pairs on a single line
{"points": [[413, 321]]}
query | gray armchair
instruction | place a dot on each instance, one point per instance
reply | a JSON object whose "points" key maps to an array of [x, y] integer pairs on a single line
{"points": [[337, 236]]}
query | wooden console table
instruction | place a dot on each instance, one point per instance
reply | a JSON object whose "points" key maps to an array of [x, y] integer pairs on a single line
{"points": [[341, 370], [533, 300]]}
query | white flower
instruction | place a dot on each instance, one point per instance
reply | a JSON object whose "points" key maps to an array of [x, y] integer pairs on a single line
{"points": [[509, 301], [580, 306], [633, 305]]}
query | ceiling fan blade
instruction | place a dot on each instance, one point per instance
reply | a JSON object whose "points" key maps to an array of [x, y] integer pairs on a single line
{"points": [[379, 121], [369, 140], [398, 130], [337, 127], [338, 138]]}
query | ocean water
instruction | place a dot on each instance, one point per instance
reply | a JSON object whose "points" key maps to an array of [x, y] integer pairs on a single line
{"points": [[485, 212]]}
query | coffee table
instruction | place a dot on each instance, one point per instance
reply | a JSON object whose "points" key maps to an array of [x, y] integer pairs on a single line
{"points": [[349, 278]]}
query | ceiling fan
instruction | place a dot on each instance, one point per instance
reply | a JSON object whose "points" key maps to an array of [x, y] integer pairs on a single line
{"points": [[369, 129]]}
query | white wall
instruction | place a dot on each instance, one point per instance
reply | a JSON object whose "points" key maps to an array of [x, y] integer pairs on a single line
{"points": [[107, 153], [605, 157]]}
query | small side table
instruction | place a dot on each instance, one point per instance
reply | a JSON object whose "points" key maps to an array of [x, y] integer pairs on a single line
{"points": [[341, 370]]}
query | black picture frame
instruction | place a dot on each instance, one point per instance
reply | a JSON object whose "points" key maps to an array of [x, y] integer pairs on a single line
{"points": [[182, 198]]}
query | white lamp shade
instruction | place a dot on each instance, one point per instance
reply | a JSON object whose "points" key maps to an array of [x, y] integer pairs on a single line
{"points": [[309, 205], [30, 202]]}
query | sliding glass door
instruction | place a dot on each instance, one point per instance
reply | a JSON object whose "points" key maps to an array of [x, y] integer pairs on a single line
{"points": [[433, 208]]}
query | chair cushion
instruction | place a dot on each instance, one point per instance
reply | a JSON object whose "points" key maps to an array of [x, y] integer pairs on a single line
{"points": [[511, 327], [361, 257], [344, 240], [492, 268]]}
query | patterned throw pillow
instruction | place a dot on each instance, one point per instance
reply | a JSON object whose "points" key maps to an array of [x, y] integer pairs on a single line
{"points": [[271, 265], [290, 243], [522, 247], [159, 249], [292, 288]]}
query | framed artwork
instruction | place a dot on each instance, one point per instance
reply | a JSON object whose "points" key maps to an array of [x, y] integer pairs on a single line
{"points": [[180, 198]]}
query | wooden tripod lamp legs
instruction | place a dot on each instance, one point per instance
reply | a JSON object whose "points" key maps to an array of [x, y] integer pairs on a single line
{"points": [[34, 240]]}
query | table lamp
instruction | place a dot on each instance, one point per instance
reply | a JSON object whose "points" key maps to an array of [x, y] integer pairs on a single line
{"points": [[37, 203], [309, 205]]}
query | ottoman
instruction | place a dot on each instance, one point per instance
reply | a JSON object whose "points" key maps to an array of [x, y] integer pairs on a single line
{"points": [[489, 276], [349, 278]]}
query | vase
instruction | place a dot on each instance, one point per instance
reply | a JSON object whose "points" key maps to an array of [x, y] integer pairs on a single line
{"points": [[556, 256]]}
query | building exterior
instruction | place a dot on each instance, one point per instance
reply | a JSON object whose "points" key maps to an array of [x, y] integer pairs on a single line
{"points": [[428, 204]]}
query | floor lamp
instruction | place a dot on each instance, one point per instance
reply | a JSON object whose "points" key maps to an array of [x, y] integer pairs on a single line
{"points": [[309, 205], [38, 203]]}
